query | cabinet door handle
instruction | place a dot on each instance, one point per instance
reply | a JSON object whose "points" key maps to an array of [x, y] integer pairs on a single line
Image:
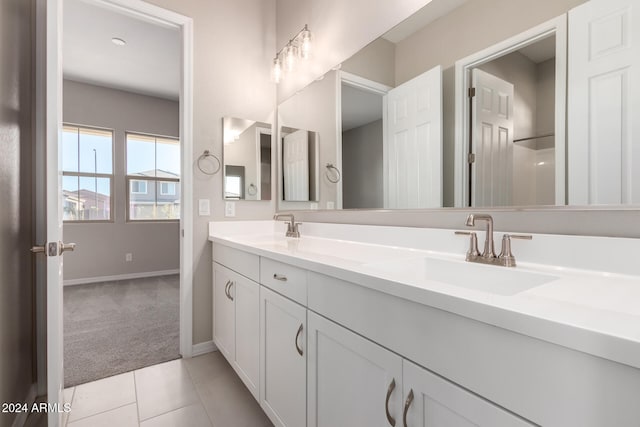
{"points": [[226, 288], [229, 292], [407, 403], [280, 277], [392, 387], [300, 352]]}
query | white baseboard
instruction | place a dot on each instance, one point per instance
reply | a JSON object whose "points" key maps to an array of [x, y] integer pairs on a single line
{"points": [[202, 348], [21, 418], [87, 280]]}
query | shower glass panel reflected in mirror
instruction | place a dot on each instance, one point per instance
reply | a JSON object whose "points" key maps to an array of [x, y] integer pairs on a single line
{"points": [[247, 159], [299, 164]]}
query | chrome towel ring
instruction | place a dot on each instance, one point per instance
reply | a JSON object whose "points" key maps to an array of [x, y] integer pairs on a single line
{"points": [[207, 154], [337, 175]]}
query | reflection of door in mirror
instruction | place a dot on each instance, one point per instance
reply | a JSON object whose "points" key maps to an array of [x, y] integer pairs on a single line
{"points": [[299, 165], [512, 128]]}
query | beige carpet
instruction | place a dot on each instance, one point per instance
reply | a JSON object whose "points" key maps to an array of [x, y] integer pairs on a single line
{"points": [[116, 327]]}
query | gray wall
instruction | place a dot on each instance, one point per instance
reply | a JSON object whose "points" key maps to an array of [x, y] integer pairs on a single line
{"points": [[474, 26], [376, 62], [362, 177], [102, 246], [16, 142]]}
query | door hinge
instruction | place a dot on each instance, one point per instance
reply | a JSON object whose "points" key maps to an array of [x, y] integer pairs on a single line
{"points": [[472, 92], [471, 158]]}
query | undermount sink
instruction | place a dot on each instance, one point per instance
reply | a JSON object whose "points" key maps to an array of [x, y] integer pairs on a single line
{"points": [[485, 278]]}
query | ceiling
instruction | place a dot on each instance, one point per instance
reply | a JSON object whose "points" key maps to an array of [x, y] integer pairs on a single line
{"points": [[540, 51], [148, 64], [433, 10], [359, 107]]}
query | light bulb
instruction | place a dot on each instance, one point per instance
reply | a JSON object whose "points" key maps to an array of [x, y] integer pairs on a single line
{"points": [[290, 57], [305, 43], [276, 71]]}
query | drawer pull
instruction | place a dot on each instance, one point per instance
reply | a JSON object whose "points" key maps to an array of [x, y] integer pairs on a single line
{"points": [[280, 277], [229, 292], [407, 404], [297, 338], [392, 387]]}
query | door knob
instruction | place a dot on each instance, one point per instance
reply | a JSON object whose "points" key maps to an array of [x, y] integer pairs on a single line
{"points": [[53, 248]]}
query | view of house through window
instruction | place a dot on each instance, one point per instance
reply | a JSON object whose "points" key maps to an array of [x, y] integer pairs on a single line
{"points": [[87, 165], [153, 177]]}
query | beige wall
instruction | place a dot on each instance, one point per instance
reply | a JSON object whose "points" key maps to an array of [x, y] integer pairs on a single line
{"points": [[234, 43], [16, 235], [314, 108], [362, 177], [102, 247], [376, 62]]}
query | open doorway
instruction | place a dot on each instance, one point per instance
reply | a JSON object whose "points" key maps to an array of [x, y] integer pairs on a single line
{"points": [[121, 166]]}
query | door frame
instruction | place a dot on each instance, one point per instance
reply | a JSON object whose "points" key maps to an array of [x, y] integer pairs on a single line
{"points": [[50, 28], [462, 82], [362, 83]]}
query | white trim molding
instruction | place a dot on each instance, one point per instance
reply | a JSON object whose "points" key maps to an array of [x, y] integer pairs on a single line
{"points": [[557, 26], [98, 279], [203, 348]]}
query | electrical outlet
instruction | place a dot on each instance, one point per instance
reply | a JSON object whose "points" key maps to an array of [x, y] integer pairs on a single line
{"points": [[314, 206], [128, 257], [331, 205], [229, 209]]}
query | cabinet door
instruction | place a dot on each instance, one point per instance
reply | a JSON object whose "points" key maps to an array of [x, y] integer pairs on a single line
{"points": [[283, 359], [351, 381], [435, 402], [223, 312], [246, 295]]}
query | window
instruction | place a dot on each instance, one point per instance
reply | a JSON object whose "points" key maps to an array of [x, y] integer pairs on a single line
{"points": [[153, 175], [87, 173], [138, 187], [168, 188]]}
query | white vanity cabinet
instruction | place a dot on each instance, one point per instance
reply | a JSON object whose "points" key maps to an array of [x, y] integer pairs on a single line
{"points": [[236, 322], [355, 382], [283, 359], [351, 381]]}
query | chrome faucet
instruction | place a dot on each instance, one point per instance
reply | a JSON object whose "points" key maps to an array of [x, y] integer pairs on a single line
{"points": [[488, 255], [489, 251], [292, 225]]}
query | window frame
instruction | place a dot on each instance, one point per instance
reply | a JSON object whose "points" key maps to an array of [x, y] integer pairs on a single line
{"points": [[173, 191], [146, 186], [129, 178], [79, 174]]}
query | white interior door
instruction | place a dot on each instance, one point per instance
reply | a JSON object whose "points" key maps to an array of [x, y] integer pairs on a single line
{"points": [[295, 149], [492, 140], [413, 146], [604, 103]]}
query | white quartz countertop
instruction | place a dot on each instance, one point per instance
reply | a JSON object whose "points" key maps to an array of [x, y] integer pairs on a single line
{"points": [[596, 312]]}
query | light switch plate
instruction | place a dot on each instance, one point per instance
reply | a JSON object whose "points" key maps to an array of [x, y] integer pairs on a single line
{"points": [[229, 209], [204, 207]]}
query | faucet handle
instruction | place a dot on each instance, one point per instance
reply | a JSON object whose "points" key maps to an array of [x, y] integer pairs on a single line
{"points": [[505, 254], [473, 242]]}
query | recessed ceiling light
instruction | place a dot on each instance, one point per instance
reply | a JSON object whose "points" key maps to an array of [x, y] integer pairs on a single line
{"points": [[118, 42]]}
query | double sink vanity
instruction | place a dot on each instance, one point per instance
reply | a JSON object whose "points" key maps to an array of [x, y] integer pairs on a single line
{"points": [[354, 325]]}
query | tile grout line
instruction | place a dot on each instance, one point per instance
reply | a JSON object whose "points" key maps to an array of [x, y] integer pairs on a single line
{"points": [[100, 413], [198, 393], [135, 391]]}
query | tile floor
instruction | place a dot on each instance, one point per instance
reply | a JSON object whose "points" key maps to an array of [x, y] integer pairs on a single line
{"points": [[202, 391]]}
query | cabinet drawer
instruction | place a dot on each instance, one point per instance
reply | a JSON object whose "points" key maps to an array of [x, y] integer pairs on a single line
{"points": [[285, 279], [241, 262]]}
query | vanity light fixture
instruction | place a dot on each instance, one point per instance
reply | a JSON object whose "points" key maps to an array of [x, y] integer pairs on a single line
{"points": [[118, 41], [299, 47]]}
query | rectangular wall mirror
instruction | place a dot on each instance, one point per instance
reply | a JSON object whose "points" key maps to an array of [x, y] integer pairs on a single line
{"points": [[416, 122], [246, 159]]}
